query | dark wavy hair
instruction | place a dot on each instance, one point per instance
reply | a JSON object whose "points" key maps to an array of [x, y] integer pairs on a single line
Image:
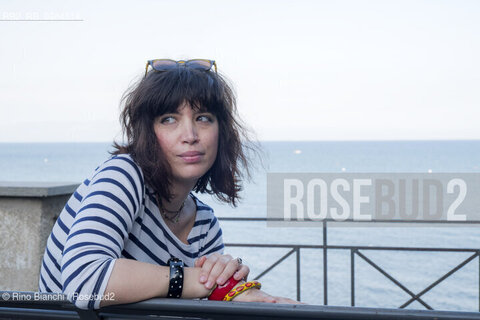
{"points": [[163, 92]]}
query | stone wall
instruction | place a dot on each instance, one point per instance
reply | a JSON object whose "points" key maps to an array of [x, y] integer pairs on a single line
{"points": [[28, 212]]}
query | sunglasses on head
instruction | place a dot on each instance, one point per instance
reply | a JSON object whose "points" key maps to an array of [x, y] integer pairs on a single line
{"points": [[168, 64]]}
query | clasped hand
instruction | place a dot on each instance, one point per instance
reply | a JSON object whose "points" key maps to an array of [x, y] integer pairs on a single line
{"points": [[217, 269]]}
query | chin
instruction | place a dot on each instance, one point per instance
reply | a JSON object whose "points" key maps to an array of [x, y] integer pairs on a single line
{"points": [[191, 175]]}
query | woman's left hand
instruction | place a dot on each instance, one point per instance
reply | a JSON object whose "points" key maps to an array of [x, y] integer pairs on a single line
{"points": [[256, 295], [218, 268]]}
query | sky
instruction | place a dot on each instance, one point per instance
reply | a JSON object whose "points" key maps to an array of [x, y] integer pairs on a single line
{"points": [[302, 70]]}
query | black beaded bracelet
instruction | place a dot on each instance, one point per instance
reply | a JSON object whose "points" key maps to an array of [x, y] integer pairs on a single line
{"points": [[175, 286]]}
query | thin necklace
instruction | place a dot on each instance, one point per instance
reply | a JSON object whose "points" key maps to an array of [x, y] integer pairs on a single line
{"points": [[176, 214]]}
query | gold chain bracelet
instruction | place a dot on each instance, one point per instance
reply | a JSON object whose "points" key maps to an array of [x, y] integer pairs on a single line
{"points": [[241, 288]]}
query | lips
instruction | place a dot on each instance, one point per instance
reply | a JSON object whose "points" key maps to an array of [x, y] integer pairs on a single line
{"points": [[191, 156]]}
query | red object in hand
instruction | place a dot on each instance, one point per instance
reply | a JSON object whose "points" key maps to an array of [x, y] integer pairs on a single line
{"points": [[221, 291]]}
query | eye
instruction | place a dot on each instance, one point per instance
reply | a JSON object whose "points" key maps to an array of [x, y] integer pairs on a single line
{"points": [[205, 118], [167, 120]]}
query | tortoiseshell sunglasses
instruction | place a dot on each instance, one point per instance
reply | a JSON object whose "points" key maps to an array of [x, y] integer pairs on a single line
{"points": [[168, 64]]}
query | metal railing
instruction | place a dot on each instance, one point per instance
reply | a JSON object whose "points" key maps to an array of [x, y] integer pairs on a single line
{"points": [[52, 306], [356, 251]]}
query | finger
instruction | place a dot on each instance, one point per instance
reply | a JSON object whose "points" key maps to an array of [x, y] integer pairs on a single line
{"points": [[230, 269], [207, 266], [217, 269], [242, 273], [199, 262]]}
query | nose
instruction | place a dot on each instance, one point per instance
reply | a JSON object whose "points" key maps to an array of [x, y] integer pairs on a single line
{"points": [[189, 132]]}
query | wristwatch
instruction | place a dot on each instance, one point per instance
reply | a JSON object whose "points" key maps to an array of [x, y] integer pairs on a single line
{"points": [[175, 285]]}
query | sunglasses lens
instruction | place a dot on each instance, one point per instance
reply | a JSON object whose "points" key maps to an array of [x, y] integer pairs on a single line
{"points": [[168, 64], [163, 65], [200, 64]]}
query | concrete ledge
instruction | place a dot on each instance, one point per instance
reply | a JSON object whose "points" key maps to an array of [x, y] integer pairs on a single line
{"points": [[28, 211], [36, 189]]}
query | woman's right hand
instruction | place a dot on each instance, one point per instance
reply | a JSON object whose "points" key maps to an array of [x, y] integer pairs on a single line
{"points": [[218, 268]]}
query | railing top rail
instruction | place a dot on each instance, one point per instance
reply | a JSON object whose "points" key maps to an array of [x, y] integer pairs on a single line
{"points": [[312, 246], [344, 221]]}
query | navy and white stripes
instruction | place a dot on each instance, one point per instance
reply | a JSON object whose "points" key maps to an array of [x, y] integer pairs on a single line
{"points": [[114, 215]]}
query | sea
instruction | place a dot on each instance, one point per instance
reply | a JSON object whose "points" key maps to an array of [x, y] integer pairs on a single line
{"points": [[405, 273]]}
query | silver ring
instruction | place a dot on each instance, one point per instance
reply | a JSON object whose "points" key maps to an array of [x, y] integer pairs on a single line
{"points": [[239, 261]]}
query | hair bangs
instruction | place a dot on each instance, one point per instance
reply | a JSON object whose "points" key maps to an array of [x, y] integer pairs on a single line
{"points": [[197, 88]]}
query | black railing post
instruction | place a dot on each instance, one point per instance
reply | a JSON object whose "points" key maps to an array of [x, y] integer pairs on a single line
{"points": [[352, 276], [298, 274], [325, 280]]}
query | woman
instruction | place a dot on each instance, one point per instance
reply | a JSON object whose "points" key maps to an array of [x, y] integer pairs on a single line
{"points": [[134, 230]]}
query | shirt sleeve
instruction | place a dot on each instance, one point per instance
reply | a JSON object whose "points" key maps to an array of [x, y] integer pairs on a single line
{"points": [[100, 228], [213, 242]]}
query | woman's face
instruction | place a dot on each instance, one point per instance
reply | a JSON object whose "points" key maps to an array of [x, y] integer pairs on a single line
{"points": [[189, 141]]}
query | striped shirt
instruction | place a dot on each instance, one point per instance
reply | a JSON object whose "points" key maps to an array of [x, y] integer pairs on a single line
{"points": [[114, 215]]}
